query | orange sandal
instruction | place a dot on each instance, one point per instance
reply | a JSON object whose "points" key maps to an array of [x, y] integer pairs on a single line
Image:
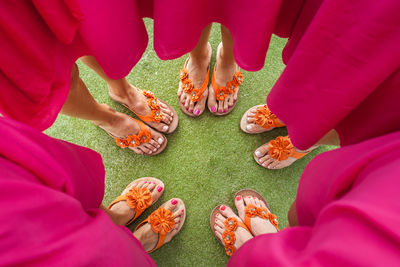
{"points": [[162, 222], [252, 211], [229, 237], [195, 94], [222, 92], [281, 148], [134, 140], [155, 113], [137, 198], [263, 118]]}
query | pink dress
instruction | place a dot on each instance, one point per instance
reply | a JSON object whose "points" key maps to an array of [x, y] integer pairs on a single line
{"points": [[348, 205], [342, 73], [50, 192]]}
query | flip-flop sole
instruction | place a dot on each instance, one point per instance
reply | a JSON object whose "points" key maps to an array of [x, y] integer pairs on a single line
{"points": [[212, 222]]}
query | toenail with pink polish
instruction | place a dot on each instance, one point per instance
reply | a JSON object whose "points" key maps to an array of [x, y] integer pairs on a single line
{"points": [[213, 109], [159, 188], [197, 112], [174, 201], [183, 210], [238, 198], [222, 207]]}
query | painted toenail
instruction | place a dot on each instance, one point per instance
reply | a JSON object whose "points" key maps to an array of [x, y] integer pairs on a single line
{"points": [[223, 207], [179, 216], [174, 201], [213, 109], [165, 128], [183, 210], [225, 110], [258, 153], [159, 189], [248, 127], [160, 140], [238, 198], [191, 111], [197, 112], [153, 182]]}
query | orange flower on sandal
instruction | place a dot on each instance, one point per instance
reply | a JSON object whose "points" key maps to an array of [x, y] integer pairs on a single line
{"points": [[280, 148], [162, 221], [231, 86], [139, 199], [231, 224], [187, 86], [238, 78], [264, 117], [221, 92], [229, 237], [230, 249], [123, 143], [183, 74], [251, 210]]}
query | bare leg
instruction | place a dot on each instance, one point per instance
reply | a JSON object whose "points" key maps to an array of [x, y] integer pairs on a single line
{"points": [[81, 104], [226, 68], [199, 59], [122, 91]]}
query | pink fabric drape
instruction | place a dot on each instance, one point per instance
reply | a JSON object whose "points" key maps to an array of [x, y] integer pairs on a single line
{"points": [[40, 41], [348, 211], [50, 192], [342, 73]]}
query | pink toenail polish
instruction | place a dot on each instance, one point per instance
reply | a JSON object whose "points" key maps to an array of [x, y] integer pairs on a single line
{"points": [[191, 110], [217, 214], [179, 221], [216, 220], [197, 112], [225, 110], [222, 207], [179, 216], [213, 109], [159, 189], [153, 182], [182, 210], [238, 198], [174, 201]]}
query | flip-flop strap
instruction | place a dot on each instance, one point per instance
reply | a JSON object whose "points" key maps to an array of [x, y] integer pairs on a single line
{"points": [[221, 92], [195, 94], [281, 148], [252, 211], [161, 222], [229, 236], [155, 108], [135, 140], [136, 198], [266, 119]]}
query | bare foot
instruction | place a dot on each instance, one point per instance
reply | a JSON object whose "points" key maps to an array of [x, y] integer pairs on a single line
{"points": [[241, 234], [121, 125], [197, 68], [225, 69], [262, 157], [148, 238], [122, 213], [258, 225], [134, 99]]}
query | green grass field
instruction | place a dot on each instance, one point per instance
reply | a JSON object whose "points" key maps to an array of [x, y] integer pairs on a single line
{"points": [[206, 161]]}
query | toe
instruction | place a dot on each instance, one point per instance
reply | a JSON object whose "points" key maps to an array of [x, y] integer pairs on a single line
{"points": [[240, 206], [247, 200], [187, 102], [226, 211], [225, 105], [218, 229], [144, 149], [250, 119], [261, 151], [220, 106], [191, 106]]}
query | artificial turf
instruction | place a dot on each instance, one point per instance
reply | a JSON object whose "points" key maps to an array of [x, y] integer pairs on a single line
{"points": [[206, 161]]}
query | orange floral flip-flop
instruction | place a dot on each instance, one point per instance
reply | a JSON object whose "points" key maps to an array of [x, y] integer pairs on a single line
{"points": [[162, 222], [229, 236], [222, 92], [135, 140], [139, 198], [195, 94], [281, 148], [155, 111], [263, 118], [252, 211]]}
